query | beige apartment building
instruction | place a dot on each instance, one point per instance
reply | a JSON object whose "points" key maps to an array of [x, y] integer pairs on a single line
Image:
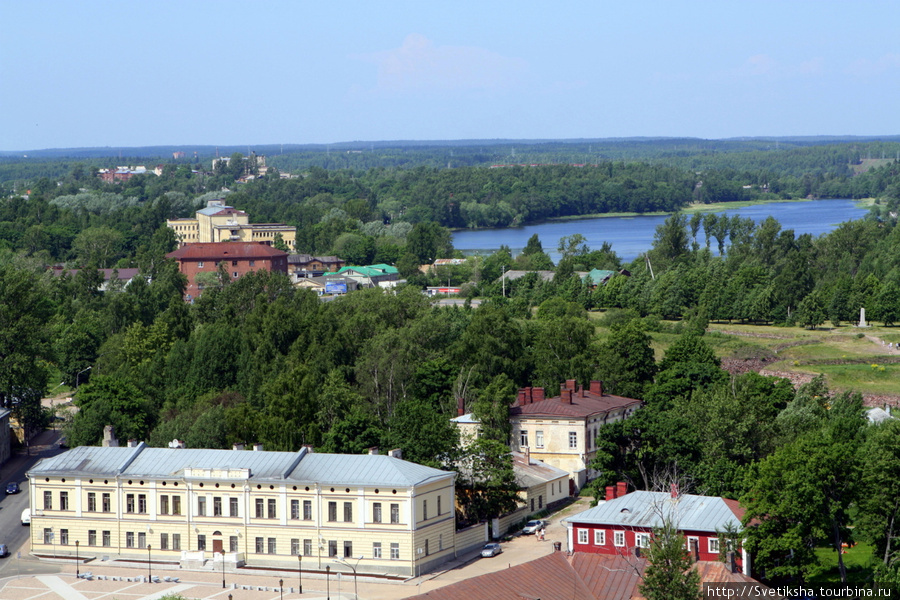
{"points": [[221, 223], [275, 509]]}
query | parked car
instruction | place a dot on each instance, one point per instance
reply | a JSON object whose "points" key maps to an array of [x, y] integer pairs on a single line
{"points": [[492, 549], [12, 487], [26, 516], [533, 527], [4, 550]]}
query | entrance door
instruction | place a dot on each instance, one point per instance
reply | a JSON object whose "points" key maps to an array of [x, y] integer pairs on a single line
{"points": [[217, 546]]}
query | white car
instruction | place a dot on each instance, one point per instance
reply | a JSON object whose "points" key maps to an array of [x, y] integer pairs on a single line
{"points": [[492, 549], [533, 527]]}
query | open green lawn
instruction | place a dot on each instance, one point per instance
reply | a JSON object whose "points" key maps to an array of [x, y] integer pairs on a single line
{"points": [[857, 559]]}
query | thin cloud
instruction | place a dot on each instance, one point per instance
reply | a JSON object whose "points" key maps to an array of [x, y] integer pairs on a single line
{"points": [[873, 68], [418, 66]]}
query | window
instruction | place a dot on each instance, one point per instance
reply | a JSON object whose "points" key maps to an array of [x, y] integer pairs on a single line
{"points": [[48, 500], [713, 545], [439, 505], [92, 502], [295, 509], [107, 538], [582, 536], [425, 510], [295, 546], [307, 510], [395, 550], [235, 274], [164, 541], [260, 545], [539, 438], [426, 547], [200, 265], [523, 439], [107, 504], [252, 263], [201, 542], [307, 547], [163, 505], [332, 547], [348, 512], [642, 540], [376, 512], [540, 501], [217, 506], [376, 549], [233, 543], [129, 539], [142, 504], [92, 537], [271, 508], [64, 537], [234, 262], [348, 549], [142, 539], [395, 513], [260, 508], [599, 537], [176, 506], [332, 511], [129, 503], [272, 545], [201, 506], [176, 541], [573, 439], [232, 507], [64, 501], [619, 538]]}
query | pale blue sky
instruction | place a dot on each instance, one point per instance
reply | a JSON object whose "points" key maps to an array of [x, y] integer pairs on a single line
{"points": [[131, 73]]}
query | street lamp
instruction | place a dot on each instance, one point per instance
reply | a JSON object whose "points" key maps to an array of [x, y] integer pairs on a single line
{"points": [[149, 572], [77, 574], [355, 586], [222, 554], [300, 571], [327, 582], [281, 587]]}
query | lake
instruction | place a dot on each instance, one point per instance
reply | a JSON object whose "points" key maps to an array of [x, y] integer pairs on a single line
{"points": [[631, 236]]}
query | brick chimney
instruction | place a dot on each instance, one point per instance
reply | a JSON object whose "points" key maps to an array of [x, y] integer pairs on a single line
{"points": [[570, 384], [610, 492], [528, 395], [673, 490], [538, 394], [565, 396], [621, 489], [521, 399], [460, 407], [597, 387]]}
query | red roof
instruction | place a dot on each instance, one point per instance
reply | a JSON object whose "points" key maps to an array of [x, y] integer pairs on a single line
{"points": [[226, 250], [584, 403]]}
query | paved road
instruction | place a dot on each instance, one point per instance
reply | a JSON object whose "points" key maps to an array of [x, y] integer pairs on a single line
{"points": [[12, 533]]}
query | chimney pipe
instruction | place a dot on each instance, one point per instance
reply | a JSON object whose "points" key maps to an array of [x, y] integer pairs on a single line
{"points": [[522, 397], [610, 492], [527, 452], [395, 453], [237, 446], [257, 447], [673, 490], [528, 395], [597, 387], [373, 451], [570, 384], [460, 407], [621, 489], [538, 394]]}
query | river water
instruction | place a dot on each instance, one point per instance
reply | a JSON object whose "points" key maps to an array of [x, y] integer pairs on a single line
{"points": [[630, 236]]}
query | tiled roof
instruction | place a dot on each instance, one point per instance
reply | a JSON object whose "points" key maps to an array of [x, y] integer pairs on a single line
{"points": [[326, 469], [647, 509], [225, 250], [583, 404]]}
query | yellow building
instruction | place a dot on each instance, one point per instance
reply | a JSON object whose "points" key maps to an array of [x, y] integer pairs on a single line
{"points": [[244, 507], [221, 223]]}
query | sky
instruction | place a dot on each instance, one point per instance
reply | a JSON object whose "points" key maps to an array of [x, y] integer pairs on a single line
{"points": [[83, 73]]}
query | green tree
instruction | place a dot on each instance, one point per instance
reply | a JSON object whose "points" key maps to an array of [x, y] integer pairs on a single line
{"points": [[487, 486], [97, 246], [878, 517], [669, 574], [626, 361]]}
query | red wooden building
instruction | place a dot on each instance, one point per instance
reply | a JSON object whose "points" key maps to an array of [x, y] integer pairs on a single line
{"points": [[237, 259]]}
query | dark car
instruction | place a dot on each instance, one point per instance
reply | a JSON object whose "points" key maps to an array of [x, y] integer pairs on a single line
{"points": [[12, 487], [4, 550]]}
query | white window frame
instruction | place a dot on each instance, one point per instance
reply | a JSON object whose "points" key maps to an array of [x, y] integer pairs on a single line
{"points": [[523, 438], [642, 540], [582, 536], [573, 440], [712, 545], [599, 537], [539, 438], [619, 538]]}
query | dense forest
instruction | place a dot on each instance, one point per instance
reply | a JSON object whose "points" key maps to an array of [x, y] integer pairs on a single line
{"points": [[257, 360]]}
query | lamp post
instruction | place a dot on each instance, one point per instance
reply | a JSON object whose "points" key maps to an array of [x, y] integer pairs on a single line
{"points": [[300, 571], [149, 572], [327, 582], [223, 568], [77, 573], [281, 587], [355, 582]]}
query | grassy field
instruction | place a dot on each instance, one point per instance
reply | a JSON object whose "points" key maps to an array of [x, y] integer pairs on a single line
{"points": [[858, 560]]}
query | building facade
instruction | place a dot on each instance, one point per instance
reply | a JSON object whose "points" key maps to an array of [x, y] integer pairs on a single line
{"points": [[561, 431], [236, 258], [623, 523], [221, 223], [272, 509]]}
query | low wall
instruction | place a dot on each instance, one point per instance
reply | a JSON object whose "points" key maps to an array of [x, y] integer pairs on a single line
{"points": [[471, 538]]}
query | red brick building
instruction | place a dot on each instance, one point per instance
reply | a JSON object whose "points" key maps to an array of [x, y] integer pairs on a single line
{"points": [[623, 523], [237, 258]]}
